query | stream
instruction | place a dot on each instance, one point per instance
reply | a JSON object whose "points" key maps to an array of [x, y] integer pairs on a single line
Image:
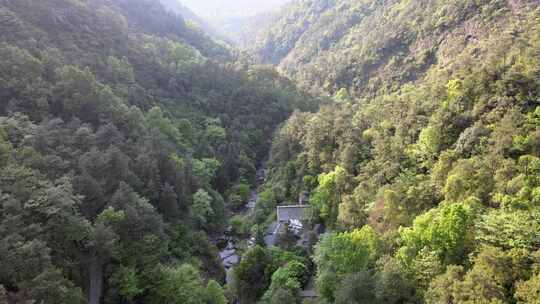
{"points": [[227, 243]]}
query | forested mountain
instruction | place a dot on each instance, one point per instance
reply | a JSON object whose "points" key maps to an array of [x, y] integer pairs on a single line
{"points": [[425, 169], [130, 142], [369, 47], [175, 6], [123, 131], [238, 20]]}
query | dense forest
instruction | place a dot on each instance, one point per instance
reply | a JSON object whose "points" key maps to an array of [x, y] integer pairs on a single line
{"points": [[130, 140], [425, 167], [124, 135]]}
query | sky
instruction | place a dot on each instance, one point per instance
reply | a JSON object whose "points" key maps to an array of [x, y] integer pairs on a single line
{"points": [[222, 9]]}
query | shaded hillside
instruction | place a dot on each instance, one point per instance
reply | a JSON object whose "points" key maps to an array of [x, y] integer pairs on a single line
{"points": [[123, 136]]}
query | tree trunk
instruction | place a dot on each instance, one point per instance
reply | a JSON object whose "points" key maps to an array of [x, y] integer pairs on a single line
{"points": [[95, 272]]}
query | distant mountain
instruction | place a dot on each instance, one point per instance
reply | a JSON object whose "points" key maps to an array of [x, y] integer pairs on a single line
{"points": [[224, 9], [176, 7], [238, 20]]}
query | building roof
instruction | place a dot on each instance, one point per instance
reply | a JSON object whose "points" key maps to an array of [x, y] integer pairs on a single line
{"points": [[296, 212]]}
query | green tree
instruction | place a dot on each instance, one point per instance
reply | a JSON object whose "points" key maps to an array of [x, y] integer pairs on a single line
{"points": [[443, 288], [214, 294], [251, 277], [509, 229], [127, 282], [528, 291], [202, 207], [206, 170], [446, 230], [5, 150], [177, 284], [288, 277], [339, 254], [357, 288], [392, 282], [327, 195], [168, 203]]}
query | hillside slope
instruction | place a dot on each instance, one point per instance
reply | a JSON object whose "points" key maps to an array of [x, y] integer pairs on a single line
{"points": [[124, 135], [368, 47], [195, 20], [425, 169]]}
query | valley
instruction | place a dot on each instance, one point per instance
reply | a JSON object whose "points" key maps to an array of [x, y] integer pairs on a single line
{"points": [[269, 152]]}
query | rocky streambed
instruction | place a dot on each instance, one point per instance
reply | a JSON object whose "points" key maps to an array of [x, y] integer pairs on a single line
{"points": [[227, 243]]}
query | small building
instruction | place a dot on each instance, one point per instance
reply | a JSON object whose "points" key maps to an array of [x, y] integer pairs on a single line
{"points": [[286, 214]]}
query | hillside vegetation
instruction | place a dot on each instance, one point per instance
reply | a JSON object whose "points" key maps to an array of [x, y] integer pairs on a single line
{"points": [[123, 133], [130, 142], [425, 168], [371, 47]]}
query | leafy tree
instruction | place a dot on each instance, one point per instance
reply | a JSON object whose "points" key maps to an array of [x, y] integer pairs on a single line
{"points": [[168, 203], [442, 289], [344, 253], [286, 278], [393, 285], [5, 151], [250, 277], [202, 207], [357, 288], [180, 284], [447, 231], [510, 229], [528, 291], [126, 281], [214, 294], [327, 196], [206, 170]]}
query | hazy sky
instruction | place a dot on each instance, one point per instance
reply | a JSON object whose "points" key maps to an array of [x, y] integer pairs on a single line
{"points": [[231, 8]]}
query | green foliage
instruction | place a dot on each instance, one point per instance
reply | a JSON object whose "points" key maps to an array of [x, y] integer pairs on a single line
{"points": [[529, 291], [5, 151], [286, 278], [202, 207], [436, 139], [446, 231], [126, 281], [327, 196], [206, 170], [344, 253], [121, 128], [497, 276], [239, 195], [251, 277], [393, 284], [239, 225], [510, 229], [121, 125], [357, 288], [214, 294], [180, 284], [442, 288]]}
